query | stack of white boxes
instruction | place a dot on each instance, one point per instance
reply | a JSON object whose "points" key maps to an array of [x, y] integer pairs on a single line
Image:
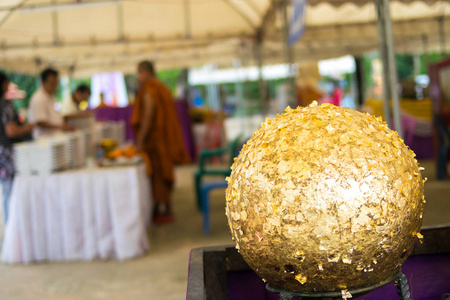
{"points": [[64, 151], [44, 156], [89, 142], [82, 122], [22, 157], [76, 150], [110, 130]]}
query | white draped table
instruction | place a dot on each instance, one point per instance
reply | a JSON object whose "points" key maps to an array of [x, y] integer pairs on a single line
{"points": [[78, 215]]}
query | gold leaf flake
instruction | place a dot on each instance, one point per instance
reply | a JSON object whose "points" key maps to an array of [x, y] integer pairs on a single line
{"points": [[346, 294], [300, 278]]}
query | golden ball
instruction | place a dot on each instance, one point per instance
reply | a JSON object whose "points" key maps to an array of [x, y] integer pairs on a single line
{"points": [[325, 198]]}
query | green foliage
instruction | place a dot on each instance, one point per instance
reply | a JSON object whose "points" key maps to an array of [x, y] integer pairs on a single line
{"points": [[79, 81], [273, 86], [251, 90], [367, 70], [228, 88], [405, 67], [170, 78], [427, 59], [27, 83]]}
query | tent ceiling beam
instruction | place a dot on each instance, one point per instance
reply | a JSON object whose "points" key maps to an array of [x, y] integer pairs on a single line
{"points": [[254, 7], [55, 27], [241, 13], [363, 2], [11, 10], [57, 5], [268, 18], [169, 42], [313, 32], [187, 19], [120, 23]]}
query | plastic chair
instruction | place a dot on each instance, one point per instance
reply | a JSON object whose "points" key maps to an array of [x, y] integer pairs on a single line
{"points": [[232, 148], [205, 188], [444, 146]]}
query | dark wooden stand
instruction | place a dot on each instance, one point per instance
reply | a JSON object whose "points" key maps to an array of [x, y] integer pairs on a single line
{"points": [[209, 267]]}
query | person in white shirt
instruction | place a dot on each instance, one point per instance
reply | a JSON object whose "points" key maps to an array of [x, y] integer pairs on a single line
{"points": [[42, 106], [70, 106]]}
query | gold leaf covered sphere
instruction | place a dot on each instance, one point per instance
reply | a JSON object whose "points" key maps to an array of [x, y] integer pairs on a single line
{"points": [[325, 198]]}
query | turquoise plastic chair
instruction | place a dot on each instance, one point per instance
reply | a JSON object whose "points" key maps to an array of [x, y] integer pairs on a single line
{"points": [[232, 148], [205, 188]]}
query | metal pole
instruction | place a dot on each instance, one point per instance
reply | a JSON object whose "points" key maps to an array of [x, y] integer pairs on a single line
{"points": [[425, 50], [442, 33], [359, 74], [238, 85], [187, 20], [262, 88], [288, 53], [391, 63], [55, 27], [120, 22], [383, 56]]}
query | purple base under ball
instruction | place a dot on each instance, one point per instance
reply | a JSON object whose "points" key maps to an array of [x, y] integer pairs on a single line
{"points": [[428, 277]]}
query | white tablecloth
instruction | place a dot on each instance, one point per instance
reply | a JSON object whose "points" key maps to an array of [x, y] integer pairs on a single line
{"points": [[78, 215]]}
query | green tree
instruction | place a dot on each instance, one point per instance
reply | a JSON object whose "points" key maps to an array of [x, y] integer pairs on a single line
{"points": [[170, 78]]}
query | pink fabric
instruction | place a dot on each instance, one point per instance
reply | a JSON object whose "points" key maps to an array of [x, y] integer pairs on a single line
{"points": [[337, 96]]}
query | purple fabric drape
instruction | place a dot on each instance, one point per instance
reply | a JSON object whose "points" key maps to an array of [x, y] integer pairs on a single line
{"points": [[428, 276], [117, 114], [125, 113], [423, 147], [186, 127]]}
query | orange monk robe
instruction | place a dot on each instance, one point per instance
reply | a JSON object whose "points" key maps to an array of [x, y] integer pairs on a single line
{"points": [[163, 144], [306, 94]]}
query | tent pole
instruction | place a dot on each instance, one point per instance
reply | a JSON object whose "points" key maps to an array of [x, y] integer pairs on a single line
{"points": [[261, 86], [120, 22], [425, 50], [55, 28], [359, 74], [187, 19], [392, 68], [238, 84], [442, 33], [288, 53], [383, 55]]}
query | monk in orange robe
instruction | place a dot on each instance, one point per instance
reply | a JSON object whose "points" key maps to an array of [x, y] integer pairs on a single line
{"points": [[158, 136]]}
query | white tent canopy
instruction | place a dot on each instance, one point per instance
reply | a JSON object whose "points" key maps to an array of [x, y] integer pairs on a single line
{"points": [[90, 36]]}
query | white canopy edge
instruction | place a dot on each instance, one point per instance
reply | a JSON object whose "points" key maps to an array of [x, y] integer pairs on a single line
{"points": [[333, 30]]}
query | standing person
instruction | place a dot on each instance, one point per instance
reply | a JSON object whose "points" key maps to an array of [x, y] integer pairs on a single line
{"points": [[70, 106], [10, 130], [338, 93], [42, 106], [158, 135]]}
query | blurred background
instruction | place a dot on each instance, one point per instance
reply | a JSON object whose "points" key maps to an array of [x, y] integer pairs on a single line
{"points": [[229, 64]]}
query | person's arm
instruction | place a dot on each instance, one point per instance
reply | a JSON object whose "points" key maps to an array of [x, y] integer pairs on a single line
{"points": [[146, 120], [9, 119], [39, 115], [13, 130]]}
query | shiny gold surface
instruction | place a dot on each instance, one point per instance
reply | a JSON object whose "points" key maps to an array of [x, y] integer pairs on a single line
{"points": [[325, 198]]}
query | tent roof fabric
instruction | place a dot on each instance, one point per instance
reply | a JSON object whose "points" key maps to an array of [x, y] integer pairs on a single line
{"points": [[105, 35], [363, 2]]}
